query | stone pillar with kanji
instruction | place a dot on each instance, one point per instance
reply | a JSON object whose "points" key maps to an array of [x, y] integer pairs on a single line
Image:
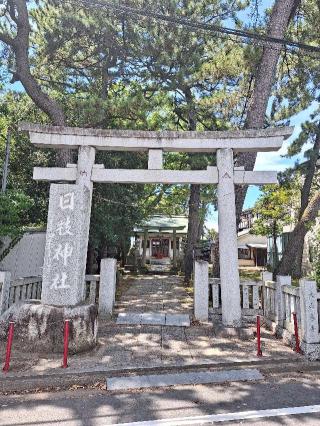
{"points": [[66, 245], [67, 236]]}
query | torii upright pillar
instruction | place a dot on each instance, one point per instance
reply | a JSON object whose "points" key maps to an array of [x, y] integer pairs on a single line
{"points": [[228, 246]]}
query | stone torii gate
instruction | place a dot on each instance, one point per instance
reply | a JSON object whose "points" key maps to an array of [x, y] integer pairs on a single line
{"points": [[70, 203]]}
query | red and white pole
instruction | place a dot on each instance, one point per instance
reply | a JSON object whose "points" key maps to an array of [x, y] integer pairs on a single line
{"points": [[9, 346], [296, 333], [259, 351], [65, 344]]}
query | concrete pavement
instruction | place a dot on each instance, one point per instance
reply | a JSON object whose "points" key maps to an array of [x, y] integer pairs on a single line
{"points": [[132, 350], [95, 407]]}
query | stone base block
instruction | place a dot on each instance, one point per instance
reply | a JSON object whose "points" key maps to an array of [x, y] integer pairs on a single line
{"points": [[287, 336], [243, 333], [40, 327], [268, 324], [311, 351]]}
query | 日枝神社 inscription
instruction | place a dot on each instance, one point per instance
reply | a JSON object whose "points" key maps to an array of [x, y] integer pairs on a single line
{"points": [[66, 247]]}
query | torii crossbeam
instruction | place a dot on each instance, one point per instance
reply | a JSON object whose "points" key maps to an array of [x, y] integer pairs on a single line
{"points": [[68, 285]]}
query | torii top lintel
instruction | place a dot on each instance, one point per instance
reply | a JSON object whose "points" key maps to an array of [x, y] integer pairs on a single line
{"points": [[257, 140]]}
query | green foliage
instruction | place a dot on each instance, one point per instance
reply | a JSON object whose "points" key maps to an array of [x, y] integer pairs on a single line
{"points": [[274, 209], [211, 234], [317, 271], [116, 208], [24, 156], [14, 213]]}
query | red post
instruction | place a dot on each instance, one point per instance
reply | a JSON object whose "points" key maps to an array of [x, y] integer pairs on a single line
{"points": [[259, 351], [296, 333], [9, 345], [65, 344]]}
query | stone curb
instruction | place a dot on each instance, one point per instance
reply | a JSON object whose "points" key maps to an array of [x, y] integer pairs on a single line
{"points": [[85, 377], [122, 383], [136, 370]]}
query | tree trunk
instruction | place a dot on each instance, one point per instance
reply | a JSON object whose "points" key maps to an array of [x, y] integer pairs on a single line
{"points": [[216, 258], [282, 12], [194, 201], [291, 263], [201, 226], [90, 260], [275, 259], [193, 229], [20, 46], [311, 168], [124, 251]]}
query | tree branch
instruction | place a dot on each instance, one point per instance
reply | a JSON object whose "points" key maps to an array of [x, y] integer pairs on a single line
{"points": [[5, 38]]}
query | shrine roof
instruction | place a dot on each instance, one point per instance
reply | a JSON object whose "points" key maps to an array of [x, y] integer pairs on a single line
{"points": [[159, 223]]}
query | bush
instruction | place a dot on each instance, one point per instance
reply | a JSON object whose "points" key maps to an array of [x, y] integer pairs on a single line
{"points": [[14, 212]]}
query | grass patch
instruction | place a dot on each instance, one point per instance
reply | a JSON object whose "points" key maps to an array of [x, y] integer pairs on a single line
{"points": [[250, 275], [189, 290], [123, 286]]}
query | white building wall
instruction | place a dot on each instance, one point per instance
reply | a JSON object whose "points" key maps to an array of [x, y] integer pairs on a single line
{"points": [[26, 257]]}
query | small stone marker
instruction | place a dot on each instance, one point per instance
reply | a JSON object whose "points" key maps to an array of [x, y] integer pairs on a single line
{"points": [[190, 378], [5, 282], [309, 311], [107, 289], [201, 290], [281, 281]]}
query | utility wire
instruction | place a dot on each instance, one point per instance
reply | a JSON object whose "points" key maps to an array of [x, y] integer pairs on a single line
{"points": [[131, 11]]}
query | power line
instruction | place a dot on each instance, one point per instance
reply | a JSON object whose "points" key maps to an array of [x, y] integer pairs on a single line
{"points": [[261, 38]]}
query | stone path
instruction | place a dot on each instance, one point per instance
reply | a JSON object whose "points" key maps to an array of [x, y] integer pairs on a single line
{"points": [[163, 345], [155, 293]]}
